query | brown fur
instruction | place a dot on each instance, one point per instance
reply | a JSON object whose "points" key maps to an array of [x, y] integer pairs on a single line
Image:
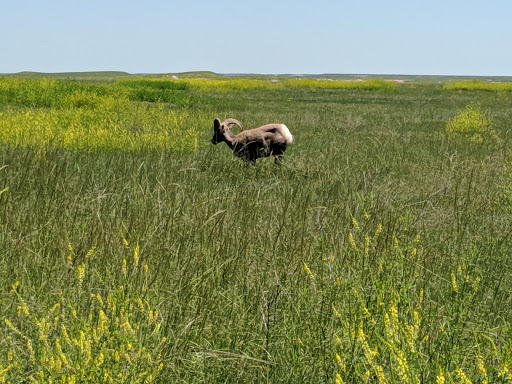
{"points": [[268, 140]]}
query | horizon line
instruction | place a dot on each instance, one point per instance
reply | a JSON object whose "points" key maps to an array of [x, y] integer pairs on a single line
{"points": [[252, 73]]}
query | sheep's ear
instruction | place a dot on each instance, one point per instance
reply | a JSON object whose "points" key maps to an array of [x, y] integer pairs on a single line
{"points": [[216, 123]]}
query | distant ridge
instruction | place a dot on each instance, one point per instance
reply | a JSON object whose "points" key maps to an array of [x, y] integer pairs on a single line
{"points": [[72, 75], [114, 75]]}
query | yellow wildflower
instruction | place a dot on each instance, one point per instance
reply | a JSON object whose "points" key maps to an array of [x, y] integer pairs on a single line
{"points": [[100, 300], [44, 330], [463, 379], [14, 289], [136, 255], [99, 360], [60, 354], [336, 313], [141, 304], [351, 240], [354, 222], [127, 327], [23, 308], [377, 233], [504, 369], [65, 334], [308, 271], [31, 350], [481, 368], [57, 305], [341, 363], [70, 254], [90, 252], [80, 274], [4, 372], [103, 321], [474, 285], [403, 368], [454, 283], [440, 377]]}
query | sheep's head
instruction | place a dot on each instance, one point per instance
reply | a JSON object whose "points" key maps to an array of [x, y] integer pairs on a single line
{"points": [[219, 129]]}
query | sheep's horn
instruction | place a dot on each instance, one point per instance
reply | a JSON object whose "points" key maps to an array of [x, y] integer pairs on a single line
{"points": [[233, 121]]}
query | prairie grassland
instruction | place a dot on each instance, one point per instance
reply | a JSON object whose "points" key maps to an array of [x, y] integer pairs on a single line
{"points": [[242, 84], [478, 85], [378, 252], [371, 84]]}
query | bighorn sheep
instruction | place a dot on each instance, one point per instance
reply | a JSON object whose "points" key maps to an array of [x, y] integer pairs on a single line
{"points": [[268, 140]]}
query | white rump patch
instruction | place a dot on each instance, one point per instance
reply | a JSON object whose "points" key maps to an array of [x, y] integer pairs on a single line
{"points": [[286, 133]]}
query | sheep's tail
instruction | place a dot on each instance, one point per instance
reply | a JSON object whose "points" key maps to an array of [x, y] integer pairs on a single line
{"points": [[287, 134]]}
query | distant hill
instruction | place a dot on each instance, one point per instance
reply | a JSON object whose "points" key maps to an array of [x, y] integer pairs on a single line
{"points": [[197, 75], [100, 75]]}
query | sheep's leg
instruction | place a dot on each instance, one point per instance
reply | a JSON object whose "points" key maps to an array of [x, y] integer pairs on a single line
{"points": [[248, 160], [278, 159]]}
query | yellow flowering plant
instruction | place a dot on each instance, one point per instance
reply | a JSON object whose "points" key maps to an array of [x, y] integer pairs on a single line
{"points": [[109, 334]]}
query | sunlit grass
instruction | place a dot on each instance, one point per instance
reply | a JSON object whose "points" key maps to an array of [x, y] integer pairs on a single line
{"points": [[111, 127], [58, 114]]}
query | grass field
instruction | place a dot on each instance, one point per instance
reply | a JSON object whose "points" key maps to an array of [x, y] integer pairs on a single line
{"points": [[133, 250]]}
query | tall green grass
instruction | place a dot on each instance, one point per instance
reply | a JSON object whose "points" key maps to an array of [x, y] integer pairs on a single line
{"points": [[98, 328], [377, 252]]}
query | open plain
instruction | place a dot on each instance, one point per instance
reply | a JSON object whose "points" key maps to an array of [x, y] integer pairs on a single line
{"points": [[133, 250]]}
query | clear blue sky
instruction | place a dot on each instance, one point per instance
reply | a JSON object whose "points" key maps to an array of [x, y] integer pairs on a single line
{"points": [[450, 37]]}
